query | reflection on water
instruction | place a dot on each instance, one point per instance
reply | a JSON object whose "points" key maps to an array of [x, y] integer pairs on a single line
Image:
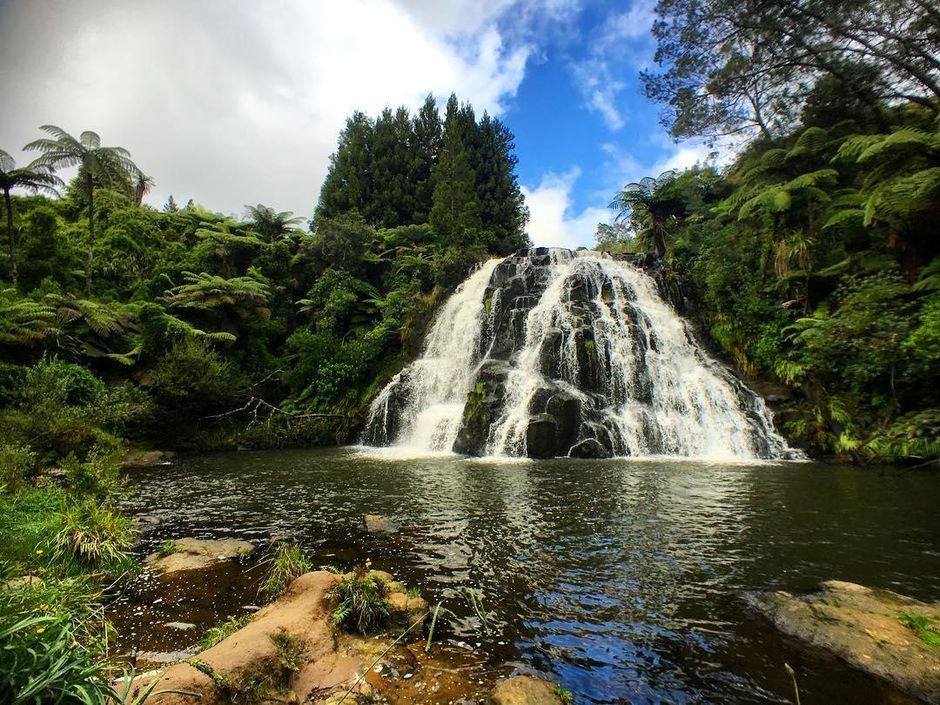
{"points": [[620, 579]]}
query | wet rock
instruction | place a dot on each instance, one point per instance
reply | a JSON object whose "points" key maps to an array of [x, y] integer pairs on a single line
{"points": [[541, 437], [196, 554], [589, 448], [379, 524], [302, 613], [138, 459], [863, 626], [526, 690], [326, 673], [180, 626], [405, 610]]}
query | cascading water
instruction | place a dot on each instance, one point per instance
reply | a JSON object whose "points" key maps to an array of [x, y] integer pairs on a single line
{"points": [[422, 406], [551, 352]]}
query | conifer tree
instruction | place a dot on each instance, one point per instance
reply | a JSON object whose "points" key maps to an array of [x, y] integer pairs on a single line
{"points": [[347, 186], [426, 146], [455, 216]]}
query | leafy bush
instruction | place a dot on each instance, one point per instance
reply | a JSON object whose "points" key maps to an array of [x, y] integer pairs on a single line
{"points": [[288, 563], [94, 535], [42, 662], [362, 602]]}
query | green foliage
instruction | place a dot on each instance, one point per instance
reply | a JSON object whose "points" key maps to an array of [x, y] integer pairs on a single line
{"points": [[289, 650], [925, 628], [42, 663], [168, 548], [288, 563], [362, 602], [815, 261], [223, 631], [94, 535]]}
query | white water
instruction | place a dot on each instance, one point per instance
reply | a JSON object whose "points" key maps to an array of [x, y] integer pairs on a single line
{"points": [[435, 386], [693, 409], [661, 393]]}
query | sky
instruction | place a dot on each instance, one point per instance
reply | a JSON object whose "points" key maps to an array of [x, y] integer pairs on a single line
{"points": [[235, 102]]}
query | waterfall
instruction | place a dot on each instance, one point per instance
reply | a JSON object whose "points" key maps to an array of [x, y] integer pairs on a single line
{"points": [[422, 406], [550, 352]]}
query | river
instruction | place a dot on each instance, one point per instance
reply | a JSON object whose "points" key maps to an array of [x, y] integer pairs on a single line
{"points": [[620, 579]]}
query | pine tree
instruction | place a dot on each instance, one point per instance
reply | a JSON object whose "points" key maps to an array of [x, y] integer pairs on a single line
{"points": [[502, 207], [455, 216], [392, 202], [347, 186], [426, 147]]}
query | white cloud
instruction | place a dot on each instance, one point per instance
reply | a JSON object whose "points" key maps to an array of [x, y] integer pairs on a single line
{"points": [[552, 222], [556, 222], [238, 102], [620, 45]]}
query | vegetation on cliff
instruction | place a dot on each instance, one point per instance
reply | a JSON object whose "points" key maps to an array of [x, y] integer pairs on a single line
{"points": [[814, 253]]}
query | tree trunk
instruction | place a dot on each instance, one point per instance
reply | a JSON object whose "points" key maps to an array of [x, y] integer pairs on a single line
{"points": [[90, 263], [11, 234]]}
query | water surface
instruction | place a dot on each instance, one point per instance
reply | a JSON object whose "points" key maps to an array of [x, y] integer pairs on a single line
{"points": [[620, 579]]}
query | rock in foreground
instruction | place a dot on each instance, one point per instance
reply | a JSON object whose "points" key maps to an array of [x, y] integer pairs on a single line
{"points": [[526, 690], [865, 627], [195, 554]]}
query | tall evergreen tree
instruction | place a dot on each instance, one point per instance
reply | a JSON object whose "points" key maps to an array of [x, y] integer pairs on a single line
{"points": [[503, 213], [392, 202], [426, 147], [455, 216], [348, 186]]}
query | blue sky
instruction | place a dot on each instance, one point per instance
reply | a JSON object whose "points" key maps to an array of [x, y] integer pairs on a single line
{"points": [[232, 102]]}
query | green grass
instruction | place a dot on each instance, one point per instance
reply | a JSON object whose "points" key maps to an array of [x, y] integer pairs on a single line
{"points": [[94, 535], [289, 649], [362, 602], [288, 563], [168, 548], [223, 631], [927, 629], [564, 694]]}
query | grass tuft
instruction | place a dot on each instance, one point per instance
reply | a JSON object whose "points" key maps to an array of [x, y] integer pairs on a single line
{"points": [[363, 602], [223, 631], [288, 563], [923, 626]]}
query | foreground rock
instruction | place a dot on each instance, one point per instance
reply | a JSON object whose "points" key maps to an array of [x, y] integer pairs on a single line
{"points": [[526, 690], [196, 554], [866, 628], [290, 652]]}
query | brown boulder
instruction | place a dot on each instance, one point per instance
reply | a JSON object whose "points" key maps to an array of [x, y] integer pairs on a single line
{"points": [[196, 554], [864, 627], [526, 690], [249, 655]]}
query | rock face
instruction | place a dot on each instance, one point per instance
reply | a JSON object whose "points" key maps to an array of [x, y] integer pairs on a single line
{"points": [[526, 690], [195, 554], [552, 353], [866, 628]]}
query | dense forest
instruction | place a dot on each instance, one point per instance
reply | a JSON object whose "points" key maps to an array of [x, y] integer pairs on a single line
{"points": [[189, 329], [814, 255]]}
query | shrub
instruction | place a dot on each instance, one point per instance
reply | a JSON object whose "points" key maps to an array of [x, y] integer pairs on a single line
{"points": [[94, 535], [43, 662], [288, 563], [17, 464], [363, 602]]}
